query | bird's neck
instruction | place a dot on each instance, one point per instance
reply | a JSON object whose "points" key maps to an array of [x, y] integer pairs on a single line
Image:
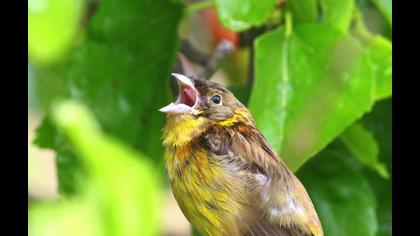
{"points": [[181, 129], [241, 115]]}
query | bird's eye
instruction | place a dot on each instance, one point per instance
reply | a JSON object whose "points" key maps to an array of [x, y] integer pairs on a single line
{"points": [[216, 99]]}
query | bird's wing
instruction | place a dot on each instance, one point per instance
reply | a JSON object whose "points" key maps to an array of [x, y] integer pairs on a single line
{"points": [[278, 202]]}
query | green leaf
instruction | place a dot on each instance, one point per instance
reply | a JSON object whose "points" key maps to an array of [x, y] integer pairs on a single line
{"points": [[239, 15], [341, 194], [303, 10], [338, 14], [71, 172], [52, 25], [379, 122], [114, 169], [380, 50], [46, 135], [120, 192], [120, 70], [362, 144], [308, 88], [383, 192], [385, 7]]}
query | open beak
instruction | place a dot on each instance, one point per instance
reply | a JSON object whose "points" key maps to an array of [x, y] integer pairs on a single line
{"points": [[187, 98]]}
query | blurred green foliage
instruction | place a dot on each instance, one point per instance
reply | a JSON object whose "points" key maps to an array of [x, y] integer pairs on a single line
{"points": [[341, 194], [52, 26], [321, 95], [379, 123], [118, 68], [106, 202]]}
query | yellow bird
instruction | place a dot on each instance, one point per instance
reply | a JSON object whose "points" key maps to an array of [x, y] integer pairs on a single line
{"points": [[225, 176]]}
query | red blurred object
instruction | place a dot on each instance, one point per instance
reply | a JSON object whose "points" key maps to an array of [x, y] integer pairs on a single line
{"points": [[218, 31]]}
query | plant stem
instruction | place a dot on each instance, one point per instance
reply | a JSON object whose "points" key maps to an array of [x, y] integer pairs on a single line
{"points": [[198, 6], [288, 24], [223, 50], [193, 53]]}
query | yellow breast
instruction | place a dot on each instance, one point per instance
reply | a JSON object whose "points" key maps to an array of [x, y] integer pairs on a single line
{"points": [[209, 195], [203, 190], [179, 130]]}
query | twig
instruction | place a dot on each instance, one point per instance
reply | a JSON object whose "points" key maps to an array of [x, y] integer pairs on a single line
{"points": [[224, 49], [193, 53]]}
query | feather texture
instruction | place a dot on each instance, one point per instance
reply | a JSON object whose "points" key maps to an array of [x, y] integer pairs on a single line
{"points": [[228, 180]]}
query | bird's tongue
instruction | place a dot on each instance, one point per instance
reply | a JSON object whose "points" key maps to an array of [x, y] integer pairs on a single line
{"points": [[187, 96]]}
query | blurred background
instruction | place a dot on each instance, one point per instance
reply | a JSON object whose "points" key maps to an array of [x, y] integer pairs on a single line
{"points": [[316, 75]]}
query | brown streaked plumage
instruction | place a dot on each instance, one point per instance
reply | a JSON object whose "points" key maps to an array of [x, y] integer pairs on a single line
{"points": [[224, 175]]}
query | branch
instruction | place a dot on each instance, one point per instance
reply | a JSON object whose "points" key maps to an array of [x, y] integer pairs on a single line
{"points": [[193, 53], [224, 49]]}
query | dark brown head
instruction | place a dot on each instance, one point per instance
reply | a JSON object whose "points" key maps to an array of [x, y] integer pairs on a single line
{"points": [[201, 98]]}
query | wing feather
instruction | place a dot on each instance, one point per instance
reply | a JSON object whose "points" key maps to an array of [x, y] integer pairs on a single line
{"points": [[277, 203]]}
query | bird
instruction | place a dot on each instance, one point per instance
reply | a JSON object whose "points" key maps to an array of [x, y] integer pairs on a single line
{"points": [[224, 175]]}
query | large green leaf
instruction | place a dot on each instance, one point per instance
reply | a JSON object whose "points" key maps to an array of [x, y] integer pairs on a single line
{"points": [[119, 69], [308, 88], [338, 14], [341, 194], [120, 194], [240, 15]]}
